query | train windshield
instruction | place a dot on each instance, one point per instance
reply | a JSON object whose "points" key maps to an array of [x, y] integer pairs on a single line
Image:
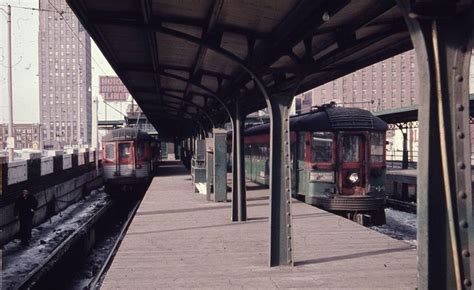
{"points": [[124, 150], [110, 151], [351, 148], [377, 141], [321, 147]]}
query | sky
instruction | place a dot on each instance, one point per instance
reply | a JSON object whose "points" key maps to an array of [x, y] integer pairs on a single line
{"points": [[25, 66]]}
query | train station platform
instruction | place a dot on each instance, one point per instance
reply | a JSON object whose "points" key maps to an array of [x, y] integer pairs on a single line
{"points": [[177, 239], [407, 176]]}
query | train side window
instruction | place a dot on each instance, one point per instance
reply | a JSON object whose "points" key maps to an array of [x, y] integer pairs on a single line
{"points": [[351, 149], [110, 151], [377, 142], [124, 150], [321, 147]]}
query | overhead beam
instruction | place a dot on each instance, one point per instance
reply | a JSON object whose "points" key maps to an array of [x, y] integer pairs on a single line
{"points": [[209, 35], [145, 6], [146, 69]]}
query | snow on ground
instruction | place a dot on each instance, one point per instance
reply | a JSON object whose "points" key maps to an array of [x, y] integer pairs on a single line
{"points": [[18, 261], [95, 260], [400, 225]]}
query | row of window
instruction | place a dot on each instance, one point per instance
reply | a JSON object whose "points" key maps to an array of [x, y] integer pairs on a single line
{"points": [[124, 151], [322, 148]]}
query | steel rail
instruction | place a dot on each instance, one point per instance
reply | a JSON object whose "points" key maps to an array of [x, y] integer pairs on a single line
{"points": [[35, 275], [105, 266]]}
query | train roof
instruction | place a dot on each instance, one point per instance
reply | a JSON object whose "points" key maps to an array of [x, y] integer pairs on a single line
{"points": [[126, 134], [329, 118]]}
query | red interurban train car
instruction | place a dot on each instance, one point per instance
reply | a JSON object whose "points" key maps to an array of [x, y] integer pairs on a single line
{"points": [[337, 160], [129, 158]]}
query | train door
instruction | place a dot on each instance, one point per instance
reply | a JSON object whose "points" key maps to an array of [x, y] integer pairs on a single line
{"points": [[125, 158], [352, 163]]}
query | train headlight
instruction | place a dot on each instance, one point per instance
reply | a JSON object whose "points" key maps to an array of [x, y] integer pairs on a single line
{"points": [[321, 176], [353, 178]]}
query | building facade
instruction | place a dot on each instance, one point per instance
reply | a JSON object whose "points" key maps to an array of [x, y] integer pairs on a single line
{"points": [[64, 77], [392, 83], [26, 136], [389, 84]]}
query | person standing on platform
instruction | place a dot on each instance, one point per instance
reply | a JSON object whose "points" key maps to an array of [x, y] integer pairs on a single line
{"points": [[25, 207]]}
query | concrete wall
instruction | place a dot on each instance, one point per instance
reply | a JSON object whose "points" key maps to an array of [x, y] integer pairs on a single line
{"points": [[50, 201]]}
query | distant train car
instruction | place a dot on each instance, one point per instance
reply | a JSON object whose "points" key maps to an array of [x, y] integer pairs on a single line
{"points": [[337, 156], [129, 158]]}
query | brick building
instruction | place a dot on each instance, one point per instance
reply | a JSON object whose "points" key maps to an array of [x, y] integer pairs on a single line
{"points": [[26, 135], [389, 84]]}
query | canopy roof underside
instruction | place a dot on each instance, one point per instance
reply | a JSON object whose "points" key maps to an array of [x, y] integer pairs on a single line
{"points": [[182, 60]]}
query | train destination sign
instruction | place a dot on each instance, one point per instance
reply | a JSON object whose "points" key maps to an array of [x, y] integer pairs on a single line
{"points": [[112, 89]]}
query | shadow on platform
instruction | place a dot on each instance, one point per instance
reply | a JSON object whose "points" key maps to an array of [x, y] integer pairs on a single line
{"points": [[183, 210], [353, 256], [171, 168]]}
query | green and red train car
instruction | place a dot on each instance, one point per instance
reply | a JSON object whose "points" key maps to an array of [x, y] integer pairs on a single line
{"points": [[337, 159]]}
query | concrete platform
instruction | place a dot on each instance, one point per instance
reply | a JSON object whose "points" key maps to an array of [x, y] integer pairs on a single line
{"points": [[402, 176], [179, 240]]}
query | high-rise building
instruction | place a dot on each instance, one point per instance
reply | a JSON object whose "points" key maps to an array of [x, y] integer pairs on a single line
{"points": [[64, 76], [389, 84]]}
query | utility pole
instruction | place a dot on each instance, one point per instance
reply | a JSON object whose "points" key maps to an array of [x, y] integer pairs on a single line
{"points": [[105, 108], [11, 134], [95, 134], [79, 139]]}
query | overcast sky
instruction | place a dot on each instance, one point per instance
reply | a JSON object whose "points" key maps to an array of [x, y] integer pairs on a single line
{"points": [[25, 65]]}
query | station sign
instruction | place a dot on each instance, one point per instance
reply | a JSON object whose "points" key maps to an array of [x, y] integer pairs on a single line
{"points": [[112, 89]]}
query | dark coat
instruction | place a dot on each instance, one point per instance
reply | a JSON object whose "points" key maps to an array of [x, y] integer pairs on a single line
{"points": [[24, 207]]}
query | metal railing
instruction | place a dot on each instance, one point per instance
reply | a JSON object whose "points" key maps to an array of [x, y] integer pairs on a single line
{"points": [[394, 158]]}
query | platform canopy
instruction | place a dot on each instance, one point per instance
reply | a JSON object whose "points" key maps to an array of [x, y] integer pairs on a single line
{"points": [[183, 61]]}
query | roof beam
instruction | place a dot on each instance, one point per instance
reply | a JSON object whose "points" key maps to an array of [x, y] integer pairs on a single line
{"points": [[305, 30], [151, 90], [209, 35], [145, 6], [145, 69], [180, 20], [357, 46], [167, 108]]}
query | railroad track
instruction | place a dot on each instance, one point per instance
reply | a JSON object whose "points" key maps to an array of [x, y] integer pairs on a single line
{"points": [[401, 205], [96, 280], [43, 268]]}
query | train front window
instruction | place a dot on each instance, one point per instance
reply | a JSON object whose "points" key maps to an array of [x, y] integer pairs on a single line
{"points": [[377, 141], [124, 150], [110, 151], [321, 147], [351, 149]]}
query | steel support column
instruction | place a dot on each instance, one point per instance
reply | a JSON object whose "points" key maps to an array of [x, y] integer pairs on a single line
{"points": [[441, 34], [281, 251], [239, 134], [239, 195], [235, 194]]}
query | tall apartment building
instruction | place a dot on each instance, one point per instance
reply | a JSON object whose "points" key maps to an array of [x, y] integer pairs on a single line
{"points": [[389, 84], [64, 76]]}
